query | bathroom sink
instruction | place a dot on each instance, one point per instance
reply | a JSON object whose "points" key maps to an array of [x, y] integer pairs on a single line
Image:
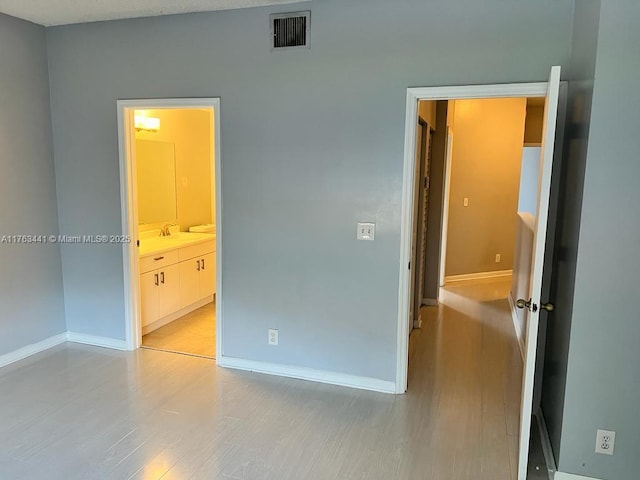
{"points": [[175, 240], [188, 236]]}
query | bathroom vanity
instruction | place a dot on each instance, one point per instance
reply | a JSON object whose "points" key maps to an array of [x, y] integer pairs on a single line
{"points": [[177, 276]]}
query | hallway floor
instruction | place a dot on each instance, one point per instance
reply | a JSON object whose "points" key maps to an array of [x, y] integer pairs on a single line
{"points": [[80, 412], [465, 372], [193, 334]]}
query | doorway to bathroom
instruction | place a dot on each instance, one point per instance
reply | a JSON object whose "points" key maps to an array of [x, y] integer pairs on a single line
{"points": [[170, 192]]}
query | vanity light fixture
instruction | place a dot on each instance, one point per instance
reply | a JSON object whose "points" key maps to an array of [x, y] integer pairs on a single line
{"points": [[147, 124]]}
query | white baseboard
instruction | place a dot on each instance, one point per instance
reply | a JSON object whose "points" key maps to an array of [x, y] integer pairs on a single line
{"points": [[477, 276], [96, 341], [516, 326], [570, 476], [322, 376], [430, 302], [32, 349]]}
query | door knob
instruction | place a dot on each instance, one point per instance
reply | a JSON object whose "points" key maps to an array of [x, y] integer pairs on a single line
{"points": [[549, 307], [532, 307]]}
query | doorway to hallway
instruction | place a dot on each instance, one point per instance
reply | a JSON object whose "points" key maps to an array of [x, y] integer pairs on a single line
{"points": [[550, 92]]}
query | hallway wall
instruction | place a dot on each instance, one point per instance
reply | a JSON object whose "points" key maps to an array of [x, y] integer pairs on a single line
{"points": [[436, 201], [485, 168]]}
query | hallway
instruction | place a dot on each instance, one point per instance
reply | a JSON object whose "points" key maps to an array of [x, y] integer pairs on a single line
{"points": [[465, 378], [79, 412]]}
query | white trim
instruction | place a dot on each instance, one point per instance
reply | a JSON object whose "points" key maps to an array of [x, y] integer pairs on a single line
{"points": [[406, 234], [430, 302], [477, 276], [506, 90], [125, 110], [570, 476], [546, 443], [129, 225], [96, 341], [322, 376], [32, 349], [516, 327]]}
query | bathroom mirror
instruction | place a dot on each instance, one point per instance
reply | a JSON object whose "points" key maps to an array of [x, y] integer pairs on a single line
{"points": [[156, 172]]}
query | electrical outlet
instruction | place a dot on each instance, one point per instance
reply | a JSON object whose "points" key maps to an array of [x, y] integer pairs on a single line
{"points": [[366, 231], [498, 258], [465, 202], [273, 337], [605, 441]]}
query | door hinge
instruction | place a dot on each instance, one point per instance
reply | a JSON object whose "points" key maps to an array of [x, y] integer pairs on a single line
{"points": [[409, 266]]}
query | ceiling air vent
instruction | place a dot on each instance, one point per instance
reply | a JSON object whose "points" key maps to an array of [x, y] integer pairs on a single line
{"points": [[290, 30]]}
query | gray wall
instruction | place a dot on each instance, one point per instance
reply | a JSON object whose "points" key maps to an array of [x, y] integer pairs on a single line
{"points": [[569, 190], [603, 383], [31, 275], [485, 168], [312, 142]]}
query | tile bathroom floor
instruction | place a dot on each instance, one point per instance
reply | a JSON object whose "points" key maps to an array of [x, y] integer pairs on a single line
{"points": [[193, 334]]}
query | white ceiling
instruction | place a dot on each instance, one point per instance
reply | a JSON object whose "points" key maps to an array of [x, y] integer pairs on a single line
{"points": [[61, 12]]}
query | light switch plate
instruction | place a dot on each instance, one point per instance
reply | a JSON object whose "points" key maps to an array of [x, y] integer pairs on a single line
{"points": [[366, 231]]}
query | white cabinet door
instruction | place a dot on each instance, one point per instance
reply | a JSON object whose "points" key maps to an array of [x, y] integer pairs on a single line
{"points": [[208, 275], [189, 282], [149, 297], [169, 291]]}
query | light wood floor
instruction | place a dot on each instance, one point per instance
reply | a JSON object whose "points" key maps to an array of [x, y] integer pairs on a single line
{"points": [[193, 334], [79, 412], [465, 378]]}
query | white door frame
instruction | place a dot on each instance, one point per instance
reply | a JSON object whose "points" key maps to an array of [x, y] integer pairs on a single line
{"points": [[444, 230], [511, 90], [129, 210]]}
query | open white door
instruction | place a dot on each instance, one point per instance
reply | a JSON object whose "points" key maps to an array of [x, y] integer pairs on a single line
{"points": [[534, 302]]}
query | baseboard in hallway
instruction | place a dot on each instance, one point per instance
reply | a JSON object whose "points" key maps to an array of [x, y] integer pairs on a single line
{"points": [[477, 276]]}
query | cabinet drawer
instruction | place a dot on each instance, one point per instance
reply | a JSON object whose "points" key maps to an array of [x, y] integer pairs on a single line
{"points": [[151, 262], [197, 250]]}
